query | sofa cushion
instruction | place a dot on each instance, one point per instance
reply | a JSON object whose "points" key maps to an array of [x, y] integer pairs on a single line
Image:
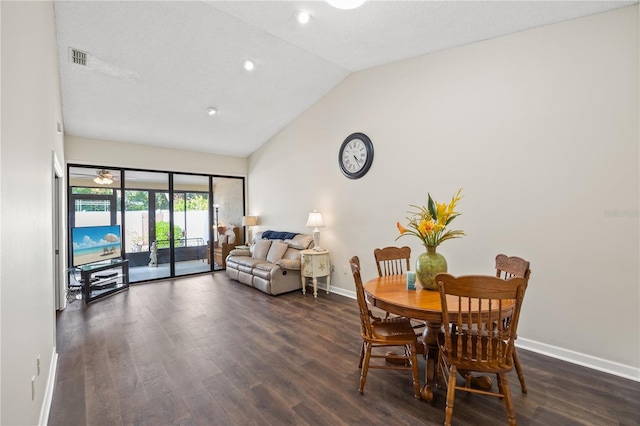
{"points": [[248, 270], [291, 254], [300, 241], [291, 264], [260, 249], [276, 251], [264, 266], [247, 261], [263, 270]]}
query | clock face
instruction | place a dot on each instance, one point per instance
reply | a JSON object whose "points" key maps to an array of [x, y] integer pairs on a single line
{"points": [[356, 155]]}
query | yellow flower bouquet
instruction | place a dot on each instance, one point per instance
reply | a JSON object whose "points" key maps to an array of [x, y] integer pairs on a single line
{"points": [[430, 223]]}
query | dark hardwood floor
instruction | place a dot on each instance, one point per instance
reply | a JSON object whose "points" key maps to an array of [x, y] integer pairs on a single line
{"points": [[209, 351]]}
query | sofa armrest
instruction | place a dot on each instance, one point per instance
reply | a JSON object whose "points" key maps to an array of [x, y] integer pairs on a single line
{"points": [[291, 264]]}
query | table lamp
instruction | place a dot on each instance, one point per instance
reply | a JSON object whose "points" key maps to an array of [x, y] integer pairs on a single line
{"points": [[249, 221], [315, 220]]}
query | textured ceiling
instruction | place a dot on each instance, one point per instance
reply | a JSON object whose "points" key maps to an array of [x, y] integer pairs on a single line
{"points": [[155, 67]]}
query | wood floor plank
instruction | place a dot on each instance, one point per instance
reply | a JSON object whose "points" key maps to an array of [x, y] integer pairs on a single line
{"points": [[206, 350]]}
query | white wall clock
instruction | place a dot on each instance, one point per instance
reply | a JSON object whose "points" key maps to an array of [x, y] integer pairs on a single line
{"points": [[356, 155]]}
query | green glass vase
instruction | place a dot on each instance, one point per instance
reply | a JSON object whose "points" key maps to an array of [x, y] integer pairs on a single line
{"points": [[428, 265]]}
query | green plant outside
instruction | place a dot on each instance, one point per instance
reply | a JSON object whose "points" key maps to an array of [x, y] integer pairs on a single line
{"points": [[162, 234]]}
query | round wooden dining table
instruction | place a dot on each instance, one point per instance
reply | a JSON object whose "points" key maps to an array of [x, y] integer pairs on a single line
{"points": [[390, 294]]}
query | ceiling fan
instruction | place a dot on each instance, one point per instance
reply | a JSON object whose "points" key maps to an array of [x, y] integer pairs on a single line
{"points": [[104, 177], [99, 176]]}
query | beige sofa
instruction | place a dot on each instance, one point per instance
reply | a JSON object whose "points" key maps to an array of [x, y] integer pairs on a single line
{"points": [[272, 264]]}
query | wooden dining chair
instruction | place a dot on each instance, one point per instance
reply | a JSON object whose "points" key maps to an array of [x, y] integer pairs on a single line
{"points": [[383, 333], [468, 304], [507, 267], [392, 260]]}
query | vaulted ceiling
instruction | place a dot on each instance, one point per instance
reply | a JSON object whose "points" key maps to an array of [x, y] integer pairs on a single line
{"points": [[153, 69]]}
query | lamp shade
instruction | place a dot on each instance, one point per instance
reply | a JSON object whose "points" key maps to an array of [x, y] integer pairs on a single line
{"points": [[315, 219], [249, 220]]}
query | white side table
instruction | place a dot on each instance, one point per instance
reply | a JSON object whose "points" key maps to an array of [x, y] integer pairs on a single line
{"points": [[315, 264]]}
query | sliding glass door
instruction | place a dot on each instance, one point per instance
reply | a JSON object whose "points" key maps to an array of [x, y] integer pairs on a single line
{"points": [[191, 223], [146, 220], [168, 220]]}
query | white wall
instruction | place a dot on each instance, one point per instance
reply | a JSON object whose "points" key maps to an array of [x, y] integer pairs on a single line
{"points": [[539, 128], [80, 150], [30, 111]]}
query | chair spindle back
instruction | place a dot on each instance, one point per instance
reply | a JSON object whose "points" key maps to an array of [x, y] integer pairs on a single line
{"points": [[365, 314], [512, 266], [392, 260], [469, 304]]}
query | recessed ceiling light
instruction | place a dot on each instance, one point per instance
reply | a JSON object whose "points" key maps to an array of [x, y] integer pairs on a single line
{"points": [[248, 65], [346, 4], [303, 17], [211, 111]]}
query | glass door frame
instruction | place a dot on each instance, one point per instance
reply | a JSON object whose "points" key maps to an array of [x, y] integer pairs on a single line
{"points": [[115, 211]]}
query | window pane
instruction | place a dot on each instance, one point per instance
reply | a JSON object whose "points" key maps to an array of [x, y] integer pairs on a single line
{"points": [[136, 210]]}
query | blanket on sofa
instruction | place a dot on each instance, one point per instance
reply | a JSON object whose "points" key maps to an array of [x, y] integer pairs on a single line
{"points": [[276, 235]]}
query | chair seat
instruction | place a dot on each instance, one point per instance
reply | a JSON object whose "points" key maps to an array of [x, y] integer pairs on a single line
{"points": [[393, 329]]}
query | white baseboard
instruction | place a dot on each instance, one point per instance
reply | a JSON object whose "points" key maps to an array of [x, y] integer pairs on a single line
{"points": [[48, 393], [341, 291], [589, 361]]}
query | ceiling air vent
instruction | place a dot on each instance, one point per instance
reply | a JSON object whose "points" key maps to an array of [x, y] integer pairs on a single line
{"points": [[77, 57]]}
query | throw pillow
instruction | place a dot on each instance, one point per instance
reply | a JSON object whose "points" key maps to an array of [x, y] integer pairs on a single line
{"points": [[223, 239], [261, 249], [276, 251]]}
